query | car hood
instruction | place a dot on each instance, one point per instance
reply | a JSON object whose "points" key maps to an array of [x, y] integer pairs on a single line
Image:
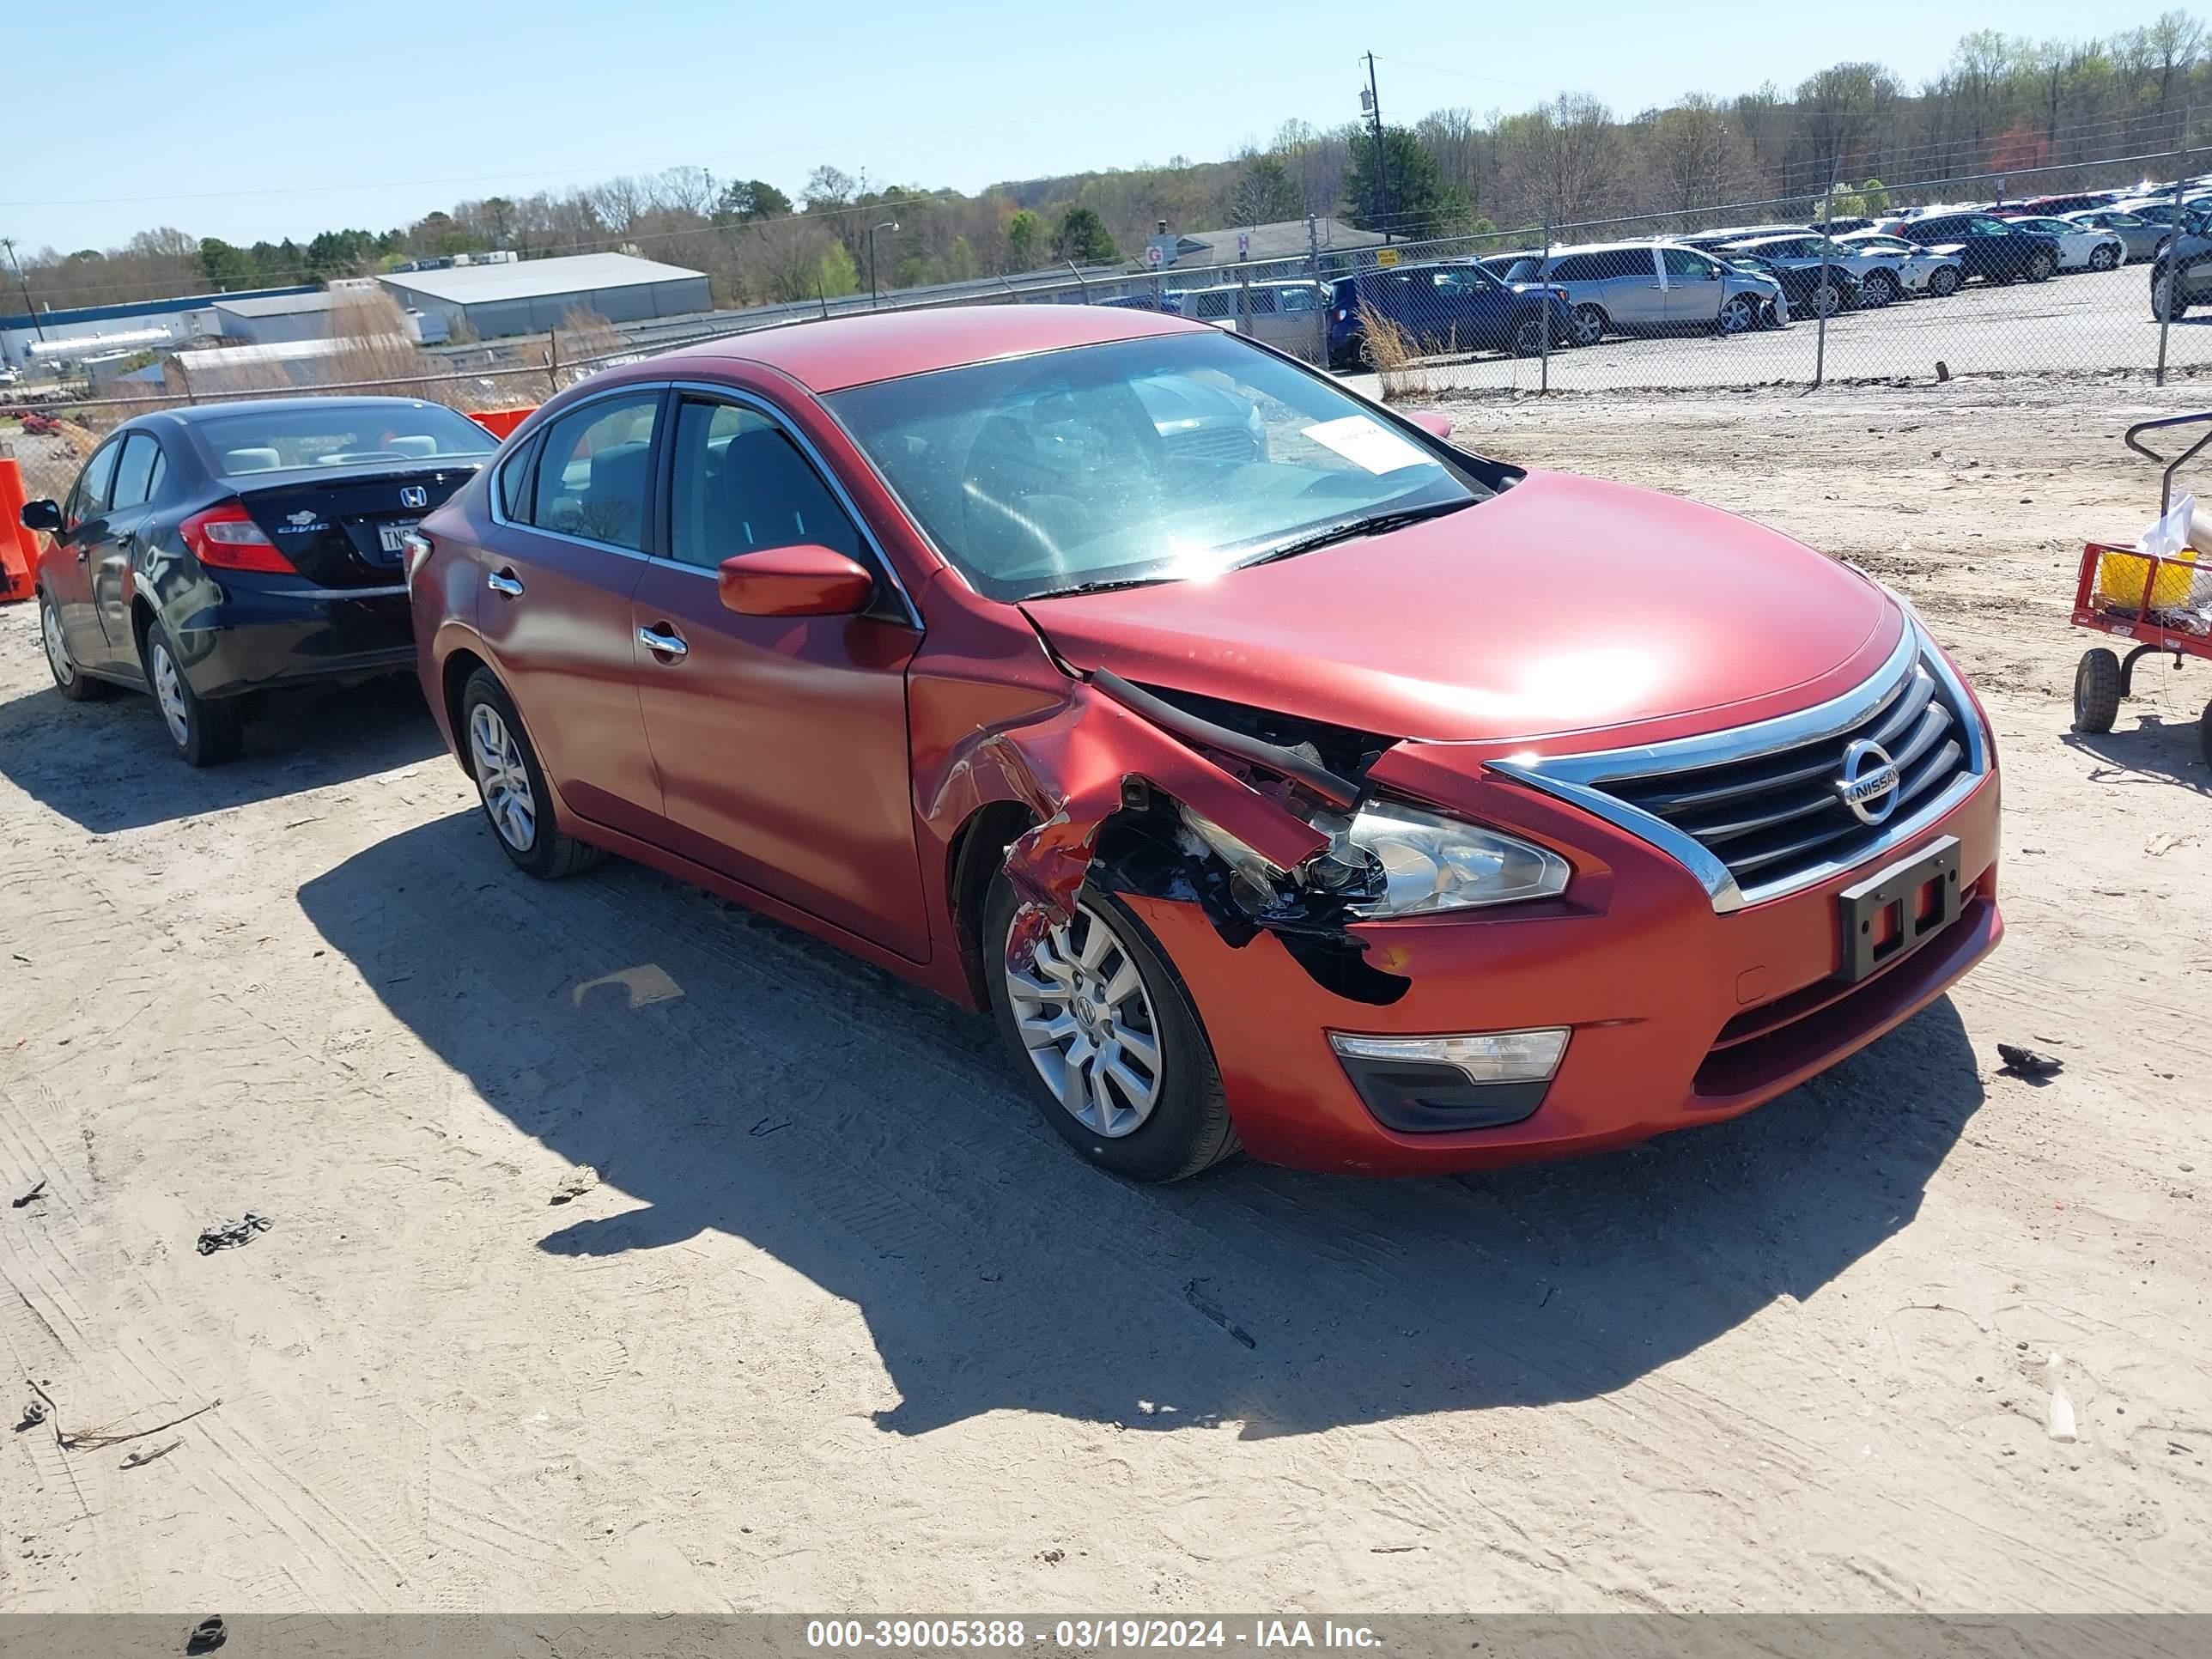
{"points": [[1565, 605]]}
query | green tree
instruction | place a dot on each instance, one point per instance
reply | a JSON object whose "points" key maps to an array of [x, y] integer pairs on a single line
{"points": [[1399, 187], [1873, 199], [744, 200], [959, 261], [1264, 193], [1083, 237], [224, 267], [836, 274], [1024, 239]]}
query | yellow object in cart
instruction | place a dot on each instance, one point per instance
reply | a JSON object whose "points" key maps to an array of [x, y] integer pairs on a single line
{"points": [[2120, 577]]}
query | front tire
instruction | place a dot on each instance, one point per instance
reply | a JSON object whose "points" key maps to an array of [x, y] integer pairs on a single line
{"points": [[2041, 267], [511, 785], [1879, 290], [206, 732], [1529, 338], [2097, 691], [1739, 315], [69, 680], [1943, 282], [2104, 257], [1587, 324], [1104, 1034]]}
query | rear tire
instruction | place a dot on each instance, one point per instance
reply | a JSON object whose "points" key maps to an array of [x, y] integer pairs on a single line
{"points": [[207, 732], [69, 680], [511, 785], [2097, 691], [1185, 1128], [2204, 734]]}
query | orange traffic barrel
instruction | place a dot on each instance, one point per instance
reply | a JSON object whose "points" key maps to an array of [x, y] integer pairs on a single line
{"points": [[502, 422], [19, 548]]}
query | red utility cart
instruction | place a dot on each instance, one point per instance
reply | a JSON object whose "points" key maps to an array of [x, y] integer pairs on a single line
{"points": [[2158, 604]]}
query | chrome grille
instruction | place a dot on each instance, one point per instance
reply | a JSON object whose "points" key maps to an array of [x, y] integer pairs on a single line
{"points": [[1775, 817]]}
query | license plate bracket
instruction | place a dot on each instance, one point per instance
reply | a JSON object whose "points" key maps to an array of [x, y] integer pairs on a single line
{"points": [[391, 535], [1893, 911]]}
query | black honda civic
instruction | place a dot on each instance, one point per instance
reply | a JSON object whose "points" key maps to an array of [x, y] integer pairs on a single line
{"points": [[207, 553]]}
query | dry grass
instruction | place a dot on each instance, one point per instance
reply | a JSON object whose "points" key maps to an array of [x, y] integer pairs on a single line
{"points": [[1392, 354]]}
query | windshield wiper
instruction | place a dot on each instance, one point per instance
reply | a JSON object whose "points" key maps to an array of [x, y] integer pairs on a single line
{"points": [[1345, 530], [1096, 587]]}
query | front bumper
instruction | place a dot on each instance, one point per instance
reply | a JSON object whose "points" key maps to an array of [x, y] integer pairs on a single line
{"points": [[238, 637], [1681, 1015]]}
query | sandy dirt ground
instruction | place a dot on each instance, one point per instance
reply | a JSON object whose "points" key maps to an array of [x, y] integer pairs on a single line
{"points": [[628, 1252]]}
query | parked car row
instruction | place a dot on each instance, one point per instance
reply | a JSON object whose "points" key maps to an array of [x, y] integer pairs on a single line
{"points": [[1219, 732]]}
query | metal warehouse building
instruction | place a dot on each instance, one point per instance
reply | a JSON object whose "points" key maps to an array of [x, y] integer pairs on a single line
{"points": [[530, 296]]}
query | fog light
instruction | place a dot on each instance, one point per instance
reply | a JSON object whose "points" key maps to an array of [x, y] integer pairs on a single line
{"points": [[1482, 1057]]}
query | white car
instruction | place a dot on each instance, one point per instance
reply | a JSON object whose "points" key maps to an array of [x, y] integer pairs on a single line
{"points": [[2081, 247], [1933, 271]]}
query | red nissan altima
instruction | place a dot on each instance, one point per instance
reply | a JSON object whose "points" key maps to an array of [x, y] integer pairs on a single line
{"points": [[1276, 775]]}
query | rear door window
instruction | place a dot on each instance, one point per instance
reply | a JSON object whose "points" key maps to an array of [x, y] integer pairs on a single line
{"points": [[135, 478], [594, 470]]}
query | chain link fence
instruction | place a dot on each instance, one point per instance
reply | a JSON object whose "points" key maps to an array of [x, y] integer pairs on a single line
{"points": [[1748, 294]]}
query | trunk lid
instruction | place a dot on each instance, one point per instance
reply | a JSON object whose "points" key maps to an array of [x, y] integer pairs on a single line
{"points": [[340, 528]]}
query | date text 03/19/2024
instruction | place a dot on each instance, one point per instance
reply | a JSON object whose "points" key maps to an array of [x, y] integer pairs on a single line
{"points": [[1084, 1634]]}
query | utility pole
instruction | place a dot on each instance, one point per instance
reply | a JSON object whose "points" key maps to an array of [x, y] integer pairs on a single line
{"points": [[1373, 99], [9, 242]]}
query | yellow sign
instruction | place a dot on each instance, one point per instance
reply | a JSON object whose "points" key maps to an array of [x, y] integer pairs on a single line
{"points": [[1386, 257]]}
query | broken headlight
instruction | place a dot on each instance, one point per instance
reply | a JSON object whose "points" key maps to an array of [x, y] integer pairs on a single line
{"points": [[1416, 863]]}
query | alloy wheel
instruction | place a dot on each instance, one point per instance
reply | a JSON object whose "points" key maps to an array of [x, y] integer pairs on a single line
{"points": [[57, 652], [169, 692], [1943, 282], [1737, 316], [503, 779], [1588, 325], [1088, 1023]]}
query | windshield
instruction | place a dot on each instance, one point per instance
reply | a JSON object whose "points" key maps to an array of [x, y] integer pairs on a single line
{"points": [[1143, 460], [318, 433]]}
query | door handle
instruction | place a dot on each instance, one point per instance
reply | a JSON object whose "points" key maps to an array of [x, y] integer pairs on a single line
{"points": [[504, 582], [670, 644]]}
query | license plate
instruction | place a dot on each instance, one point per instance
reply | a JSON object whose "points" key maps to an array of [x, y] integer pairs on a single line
{"points": [[390, 537], [1892, 912]]}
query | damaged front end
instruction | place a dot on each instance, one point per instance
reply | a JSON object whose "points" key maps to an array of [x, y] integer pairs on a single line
{"points": [[1266, 821]]}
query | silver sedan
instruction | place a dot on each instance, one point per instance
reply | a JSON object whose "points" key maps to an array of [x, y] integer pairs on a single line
{"points": [[2139, 236], [1923, 270]]}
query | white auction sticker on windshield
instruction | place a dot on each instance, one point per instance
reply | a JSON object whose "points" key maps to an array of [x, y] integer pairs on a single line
{"points": [[1364, 443]]}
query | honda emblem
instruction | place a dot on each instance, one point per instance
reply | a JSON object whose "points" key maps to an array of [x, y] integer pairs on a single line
{"points": [[414, 495]]}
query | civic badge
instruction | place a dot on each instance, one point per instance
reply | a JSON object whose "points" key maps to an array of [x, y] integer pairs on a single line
{"points": [[1869, 784], [300, 520], [414, 495]]}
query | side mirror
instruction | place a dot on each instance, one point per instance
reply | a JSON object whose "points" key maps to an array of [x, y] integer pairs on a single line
{"points": [[805, 581], [1712, 273], [42, 515], [1434, 421]]}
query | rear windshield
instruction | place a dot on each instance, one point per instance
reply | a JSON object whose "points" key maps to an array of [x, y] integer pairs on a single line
{"points": [[338, 435]]}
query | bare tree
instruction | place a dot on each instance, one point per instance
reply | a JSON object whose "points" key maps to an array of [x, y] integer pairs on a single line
{"points": [[1693, 150]]}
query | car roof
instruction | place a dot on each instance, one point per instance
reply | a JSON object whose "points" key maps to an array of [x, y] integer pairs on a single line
{"points": [[195, 413], [838, 352]]}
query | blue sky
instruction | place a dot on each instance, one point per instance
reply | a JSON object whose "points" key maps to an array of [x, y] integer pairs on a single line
{"points": [[255, 119]]}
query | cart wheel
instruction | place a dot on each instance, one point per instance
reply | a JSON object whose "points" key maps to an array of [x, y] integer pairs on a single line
{"points": [[2204, 733], [2097, 691]]}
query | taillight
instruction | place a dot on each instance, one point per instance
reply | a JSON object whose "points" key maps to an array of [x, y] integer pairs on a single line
{"points": [[417, 548], [227, 539], [1342, 313]]}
